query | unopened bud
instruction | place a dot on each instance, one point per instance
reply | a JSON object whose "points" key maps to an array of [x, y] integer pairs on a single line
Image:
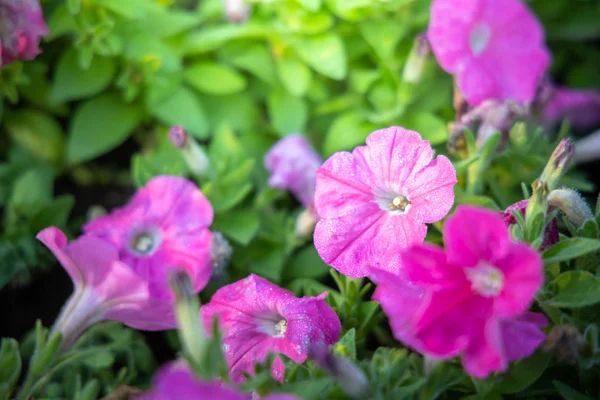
{"points": [[551, 234], [564, 341], [221, 254], [237, 10], [571, 204], [195, 158], [413, 69], [558, 163], [305, 223], [349, 376]]}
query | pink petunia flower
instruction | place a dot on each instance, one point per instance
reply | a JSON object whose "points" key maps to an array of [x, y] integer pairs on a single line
{"points": [[21, 28], [164, 226], [259, 317], [471, 300], [375, 201], [105, 288], [580, 107], [175, 381], [494, 47], [293, 164]]}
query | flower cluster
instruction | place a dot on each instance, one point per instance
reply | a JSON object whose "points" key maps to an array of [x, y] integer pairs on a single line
{"points": [[21, 28]]}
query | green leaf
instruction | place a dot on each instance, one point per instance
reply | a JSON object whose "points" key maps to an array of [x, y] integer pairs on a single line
{"points": [[309, 390], [131, 9], [383, 35], [312, 5], [228, 191], [212, 78], [240, 225], [346, 346], [306, 264], [211, 38], [38, 132], [166, 159], [523, 373], [32, 191], [576, 289], [346, 132], [288, 114], [10, 366], [54, 214], [569, 249], [325, 54], [100, 125], [482, 201], [99, 360], [256, 59], [429, 126], [183, 108], [568, 393], [294, 74], [164, 22], [219, 111], [71, 82]]}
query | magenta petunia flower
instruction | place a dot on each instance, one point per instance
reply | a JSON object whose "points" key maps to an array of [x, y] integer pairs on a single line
{"points": [[375, 201], [105, 288], [21, 28], [175, 381], [494, 47], [164, 226], [293, 164], [580, 107], [259, 318], [471, 300]]}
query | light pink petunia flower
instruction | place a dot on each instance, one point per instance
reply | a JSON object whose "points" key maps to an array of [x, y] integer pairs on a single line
{"points": [[164, 226], [259, 318], [105, 288], [293, 164], [494, 47], [175, 381], [21, 28], [471, 300], [580, 107], [375, 201]]}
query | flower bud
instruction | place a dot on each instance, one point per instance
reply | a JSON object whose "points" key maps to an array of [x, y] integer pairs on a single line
{"points": [[558, 163], [305, 223], [21, 28], [413, 69], [349, 376], [195, 158], [571, 204], [237, 10], [551, 234]]}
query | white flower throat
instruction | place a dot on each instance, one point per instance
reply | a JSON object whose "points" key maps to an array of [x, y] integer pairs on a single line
{"points": [[485, 279], [479, 38]]}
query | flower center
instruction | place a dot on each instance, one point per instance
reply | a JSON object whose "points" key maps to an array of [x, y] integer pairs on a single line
{"points": [[145, 242], [393, 203], [485, 279], [479, 38], [280, 328], [273, 325]]}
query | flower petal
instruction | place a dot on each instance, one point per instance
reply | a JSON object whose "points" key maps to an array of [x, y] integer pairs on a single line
{"points": [[484, 354], [523, 335]]}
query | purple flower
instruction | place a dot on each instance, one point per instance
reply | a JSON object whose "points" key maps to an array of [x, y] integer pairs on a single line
{"points": [[21, 28], [164, 226], [580, 107], [259, 318], [494, 47], [293, 165]]}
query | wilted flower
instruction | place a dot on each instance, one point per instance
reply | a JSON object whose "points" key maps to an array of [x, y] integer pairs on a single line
{"points": [[580, 107], [105, 288], [494, 47], [164, 226], [175, 381], [559, 162], [375, 201], [237, 10], [470, 300], [566, 342], [293, 164], [21, 28], [259, 318]]}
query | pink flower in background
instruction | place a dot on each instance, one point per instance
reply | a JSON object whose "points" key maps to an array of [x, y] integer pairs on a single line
{"points": [[471, 300], [293, 164], [494, 47], [375, 201], [259, 318], [21, 28], [175, 381], [580, 107], [105, 288], [551, 234], [164, 226]]}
